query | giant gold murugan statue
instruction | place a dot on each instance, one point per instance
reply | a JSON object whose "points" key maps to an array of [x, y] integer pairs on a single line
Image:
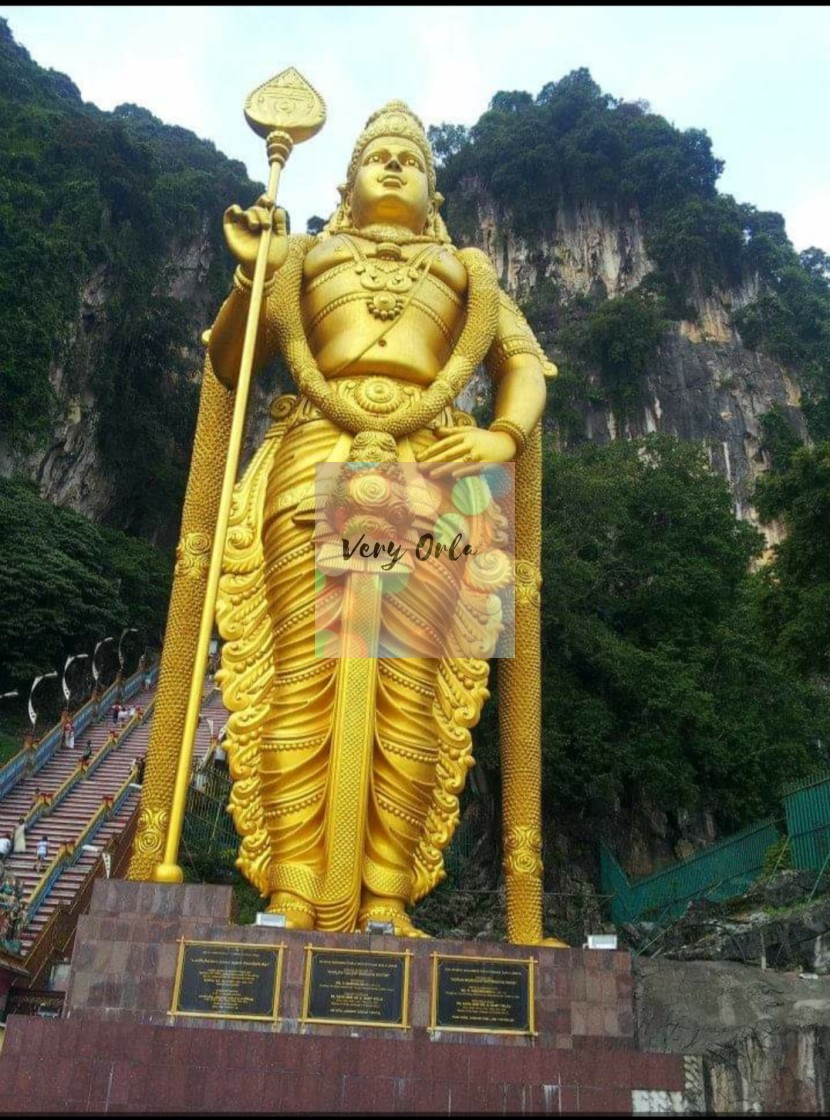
{"points": [[347, 770]]}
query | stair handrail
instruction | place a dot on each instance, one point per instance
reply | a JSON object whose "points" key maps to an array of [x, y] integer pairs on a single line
{"points": [[111, 744], [110, 805], [45, 882]]}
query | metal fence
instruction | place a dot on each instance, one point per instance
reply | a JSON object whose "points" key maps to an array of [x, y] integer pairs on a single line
{"points": [[807, 805], [717, 873], [727, 869], [208, 827], [27, 762], [460, 849]]}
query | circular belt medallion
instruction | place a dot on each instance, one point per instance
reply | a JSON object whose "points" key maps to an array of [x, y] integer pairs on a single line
{"points": [[378, 395]]}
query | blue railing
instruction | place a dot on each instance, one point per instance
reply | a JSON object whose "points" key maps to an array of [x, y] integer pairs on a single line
{"points": [[134, 684], [117, 806], [44, 886], [28, 761], [46, 748], [74, 779], [13, 771], [107, 698]]}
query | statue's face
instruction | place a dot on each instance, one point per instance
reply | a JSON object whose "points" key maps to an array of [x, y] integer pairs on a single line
{"points": [[391, 185]]}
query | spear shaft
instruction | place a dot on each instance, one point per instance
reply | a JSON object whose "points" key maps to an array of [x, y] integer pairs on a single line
{"points": [[284, 111], [279, 148]]}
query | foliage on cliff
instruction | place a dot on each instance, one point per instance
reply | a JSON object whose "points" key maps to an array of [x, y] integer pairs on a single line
{"points": [[616, 337], [791, 321], [574, 144], [673, 673], [111, 197], [65, 583]]}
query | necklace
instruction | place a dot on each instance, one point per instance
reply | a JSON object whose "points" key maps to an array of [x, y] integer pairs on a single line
{"points": [[388, 278], [395, 235]]}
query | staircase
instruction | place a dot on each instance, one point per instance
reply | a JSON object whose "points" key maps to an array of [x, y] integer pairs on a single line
{"points": [[65, 823]]}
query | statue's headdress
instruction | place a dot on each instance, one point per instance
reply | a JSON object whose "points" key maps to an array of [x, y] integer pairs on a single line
{"points": [[394, 119]]}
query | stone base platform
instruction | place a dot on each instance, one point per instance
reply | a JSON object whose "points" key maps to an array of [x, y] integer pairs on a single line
{"points": [[117, 1048]]}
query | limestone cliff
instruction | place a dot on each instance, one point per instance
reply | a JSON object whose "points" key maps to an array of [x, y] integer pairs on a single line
{"points": [[69, 469], [112, 264], [702, 384]]}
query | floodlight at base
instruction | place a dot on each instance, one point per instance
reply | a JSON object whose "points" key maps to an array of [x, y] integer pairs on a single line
{"points": [[380, 927], [601, 941], [275, 920]]}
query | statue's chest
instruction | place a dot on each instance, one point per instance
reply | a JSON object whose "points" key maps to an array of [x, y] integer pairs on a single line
{"points": [[379, 288]]}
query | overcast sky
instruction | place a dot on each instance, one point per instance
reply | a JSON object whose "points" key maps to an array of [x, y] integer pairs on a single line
{"points": [[757, 78]]}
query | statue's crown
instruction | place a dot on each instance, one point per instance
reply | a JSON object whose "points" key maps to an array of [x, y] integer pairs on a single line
{"points": [[394, 119]]}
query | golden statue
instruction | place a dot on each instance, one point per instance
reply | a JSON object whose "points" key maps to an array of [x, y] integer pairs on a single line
{"points": [[347, 769]]}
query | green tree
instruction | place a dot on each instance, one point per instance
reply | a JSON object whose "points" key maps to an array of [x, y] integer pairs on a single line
{"points": [[447, 140], [654, 687], [105, 201], [794, 589], [66, 582], [618, 338]]}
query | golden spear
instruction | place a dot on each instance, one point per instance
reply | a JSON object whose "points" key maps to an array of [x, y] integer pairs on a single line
{"points": [[285, 111]]}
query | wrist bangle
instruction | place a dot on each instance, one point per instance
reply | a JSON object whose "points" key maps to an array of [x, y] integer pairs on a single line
{"points": [[243, 284], [511, 429]]}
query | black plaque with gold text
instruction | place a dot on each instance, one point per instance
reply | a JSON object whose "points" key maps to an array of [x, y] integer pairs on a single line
{"points": [[488, 994], [357, 987], [223, 980]]}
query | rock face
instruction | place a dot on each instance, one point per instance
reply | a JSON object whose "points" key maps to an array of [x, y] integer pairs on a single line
{"points": [[68, 470], [777, 925], [764, 1036], [703, 384], [714, 392], [588, 246]]}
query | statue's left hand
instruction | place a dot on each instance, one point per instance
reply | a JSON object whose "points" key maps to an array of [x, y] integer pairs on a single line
{"points": [[457, 446]]}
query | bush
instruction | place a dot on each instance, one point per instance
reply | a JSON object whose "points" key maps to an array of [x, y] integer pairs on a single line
{"points": [[777, 857]]}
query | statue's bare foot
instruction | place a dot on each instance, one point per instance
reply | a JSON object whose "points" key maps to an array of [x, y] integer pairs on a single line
{"points": [[299, 914], [389, 912]]}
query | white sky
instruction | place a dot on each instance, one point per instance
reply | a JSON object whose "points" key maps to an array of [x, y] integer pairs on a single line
{"points": [[756, 78]]}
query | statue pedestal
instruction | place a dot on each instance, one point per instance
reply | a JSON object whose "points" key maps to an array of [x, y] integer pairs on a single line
{"points": [[118, 1049]]}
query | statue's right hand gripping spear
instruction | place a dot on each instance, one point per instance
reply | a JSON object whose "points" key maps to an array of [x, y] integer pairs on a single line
{"points": [[284, 111]]}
